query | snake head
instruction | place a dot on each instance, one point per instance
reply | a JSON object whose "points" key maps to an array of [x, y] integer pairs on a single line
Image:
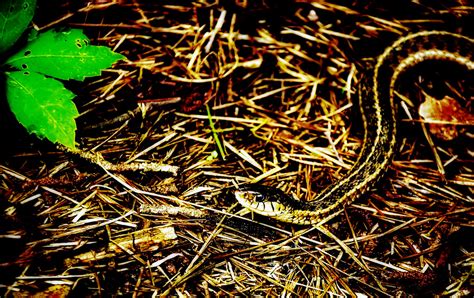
{"points": [[264, 200], [272, 202]]}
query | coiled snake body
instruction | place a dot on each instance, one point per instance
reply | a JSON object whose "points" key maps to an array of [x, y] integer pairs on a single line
{"points": [[376, 95]]}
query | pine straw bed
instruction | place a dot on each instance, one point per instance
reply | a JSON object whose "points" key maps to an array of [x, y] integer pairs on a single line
{"points": [[216, 95]]}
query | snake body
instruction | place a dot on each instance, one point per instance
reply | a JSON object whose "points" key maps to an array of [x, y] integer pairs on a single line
{"points": [[378, 110]]}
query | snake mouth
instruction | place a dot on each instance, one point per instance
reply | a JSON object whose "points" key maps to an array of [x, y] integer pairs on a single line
{"points": [[255, 202]]}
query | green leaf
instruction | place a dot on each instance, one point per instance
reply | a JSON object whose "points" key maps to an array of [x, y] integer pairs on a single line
{"points": [[15, 16], [64, 55], [43, 106]]}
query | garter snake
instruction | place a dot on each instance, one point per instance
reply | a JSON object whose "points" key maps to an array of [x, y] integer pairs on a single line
{"points": [[378, 110]]}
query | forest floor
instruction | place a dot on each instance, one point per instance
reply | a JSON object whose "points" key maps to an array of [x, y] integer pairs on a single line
{"points": [[221, 93]]}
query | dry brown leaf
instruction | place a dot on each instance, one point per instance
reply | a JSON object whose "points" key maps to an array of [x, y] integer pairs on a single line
{"points": [[444, 116]]}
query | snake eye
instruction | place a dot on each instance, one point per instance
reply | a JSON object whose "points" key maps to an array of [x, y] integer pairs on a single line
{"points": [[249, 196], [256, 196]]}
